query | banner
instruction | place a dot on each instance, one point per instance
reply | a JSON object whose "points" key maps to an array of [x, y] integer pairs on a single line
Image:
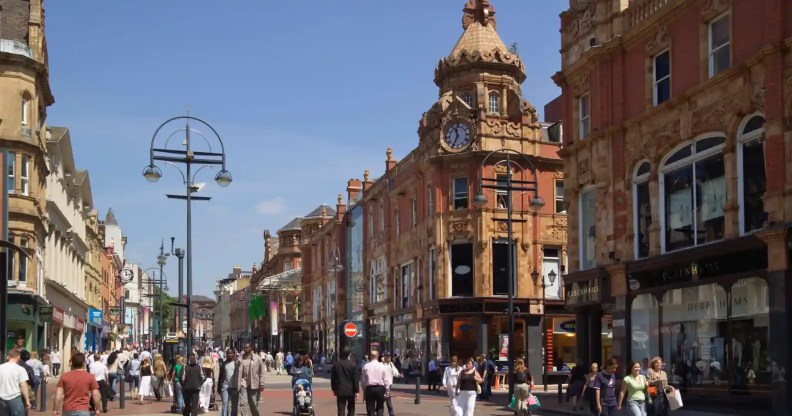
{"points": [[503, 349], [274, 318]]}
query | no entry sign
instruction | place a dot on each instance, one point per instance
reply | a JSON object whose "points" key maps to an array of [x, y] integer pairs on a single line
{"points": [[350, 329]]}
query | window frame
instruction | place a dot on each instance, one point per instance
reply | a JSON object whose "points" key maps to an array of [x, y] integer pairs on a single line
{"points": [[471, 102], [431, 203], [656, 82], [456, 195], [24, 175], [25, 119], [382, 217], [397, 221], [742, 140], [414, 211], [581, 231], [406, 284], [710, 51], [584, 120], [664, 168], [638, 180], [370, 228], [11, 173], [493, 102], [432, 264], [502, 200], [23, 263], [557, 197]]}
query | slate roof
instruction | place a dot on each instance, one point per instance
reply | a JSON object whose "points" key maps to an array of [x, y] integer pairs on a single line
{"points": [[316, 213], [110, 219], [293, 225]]}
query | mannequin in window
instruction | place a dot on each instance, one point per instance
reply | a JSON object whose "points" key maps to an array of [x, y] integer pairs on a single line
{"points": [[737, 350], [756, 348]]}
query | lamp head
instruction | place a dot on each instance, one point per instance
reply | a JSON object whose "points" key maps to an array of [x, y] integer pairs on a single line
{"points": [[152, 173], [223, 178], [534, 275], [480, 200], [552, 276], [537, 203]]}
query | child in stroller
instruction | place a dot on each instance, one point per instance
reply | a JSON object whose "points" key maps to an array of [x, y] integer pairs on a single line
{"points": [[302, 398]]}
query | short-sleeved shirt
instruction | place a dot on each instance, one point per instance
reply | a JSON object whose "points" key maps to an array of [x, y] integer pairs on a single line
{"points": [[606, 384], [77, 386], [11, 375]]}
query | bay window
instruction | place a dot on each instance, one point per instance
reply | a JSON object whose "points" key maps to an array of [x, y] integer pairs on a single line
{"points": [[751, 171]]}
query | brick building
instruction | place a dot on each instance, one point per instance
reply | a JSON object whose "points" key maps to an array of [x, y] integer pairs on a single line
{"points": [[677, 176]]}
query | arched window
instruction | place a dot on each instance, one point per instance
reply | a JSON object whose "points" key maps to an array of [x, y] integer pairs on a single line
{"points": [[25, 110], [751, 173], [467, 97], [693, 184], [494, 102], [642, 206]]}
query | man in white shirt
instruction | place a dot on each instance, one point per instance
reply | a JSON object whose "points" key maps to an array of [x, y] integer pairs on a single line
{"points": [[99, 370], [392, 373], [56, 362], [14, 386], [374, 380], [144, 355]]}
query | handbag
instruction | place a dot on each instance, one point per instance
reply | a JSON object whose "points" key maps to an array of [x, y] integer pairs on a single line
{"points": [[652, 390], [674, 399], [513, 403], [533, 401], [478, 388]]}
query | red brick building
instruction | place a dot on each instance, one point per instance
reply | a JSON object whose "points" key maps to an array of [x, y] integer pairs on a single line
{"points": [[676, 163]]}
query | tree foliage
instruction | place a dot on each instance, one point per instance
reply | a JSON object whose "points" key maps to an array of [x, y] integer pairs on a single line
{"points": [[167, 309]]}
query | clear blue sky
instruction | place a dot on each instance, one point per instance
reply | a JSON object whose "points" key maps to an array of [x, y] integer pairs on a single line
{"points": [[305, 93]]}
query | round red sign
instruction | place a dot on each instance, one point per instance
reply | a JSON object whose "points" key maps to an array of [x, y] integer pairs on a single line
{"points": [[350, 329]]}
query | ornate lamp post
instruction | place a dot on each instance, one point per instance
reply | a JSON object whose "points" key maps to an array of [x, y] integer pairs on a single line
{"points": [[190, 158], [336, 267], [509, 158]]}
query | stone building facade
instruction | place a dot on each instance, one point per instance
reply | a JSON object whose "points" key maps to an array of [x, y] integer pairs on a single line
{"points": [[676, 167], [24, 97]]}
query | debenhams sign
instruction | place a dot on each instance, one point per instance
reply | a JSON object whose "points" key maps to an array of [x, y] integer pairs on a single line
{"points": [[586, 291]]}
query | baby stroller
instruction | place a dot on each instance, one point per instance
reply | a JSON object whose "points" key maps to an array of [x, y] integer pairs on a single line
{"points": [[303, 403]]}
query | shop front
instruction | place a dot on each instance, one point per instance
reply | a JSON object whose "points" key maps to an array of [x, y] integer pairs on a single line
{"points": [[93, 330], [378, 330], [562, 341], [588, 297], [409, 336], [24, 323], [105, 336], [708, 314]]}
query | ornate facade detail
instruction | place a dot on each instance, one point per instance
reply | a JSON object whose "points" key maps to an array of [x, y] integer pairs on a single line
{"points": [[580, 84], [712, 8], [584, 23], [479, 11], [459, 227], [495, 55], [660, 41]]}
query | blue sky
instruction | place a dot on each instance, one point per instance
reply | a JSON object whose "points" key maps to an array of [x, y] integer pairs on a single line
{"points": [[305, 93]]}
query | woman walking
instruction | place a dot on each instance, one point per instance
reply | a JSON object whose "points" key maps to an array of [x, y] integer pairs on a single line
{"points": [[658, 381], [207, 387], [483, 372], [176, 377], [450, 381], [160, 370], [577, 380], [469, 379], [523, 384], [145, 380], [588, 389], [634, 388]]}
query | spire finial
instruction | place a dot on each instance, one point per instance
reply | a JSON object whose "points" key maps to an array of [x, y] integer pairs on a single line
{"points": [[478, 11], [340, 199], [365, 175], [389, 153]]}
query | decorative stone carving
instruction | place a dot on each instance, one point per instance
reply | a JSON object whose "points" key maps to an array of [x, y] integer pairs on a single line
{"points": [[712, 8], [479, 11], [580, 84], [482, 245], [460, 227], [584, 23], [660, 41], [501, 226]]}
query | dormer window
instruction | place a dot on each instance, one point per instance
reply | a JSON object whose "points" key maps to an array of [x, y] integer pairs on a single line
{"points": [[494, 103]]}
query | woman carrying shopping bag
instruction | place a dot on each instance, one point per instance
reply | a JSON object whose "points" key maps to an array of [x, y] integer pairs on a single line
{"points": [[207, 388], [450, 382], [523, 384], [658, 388], [146, 374], [467, 388]]}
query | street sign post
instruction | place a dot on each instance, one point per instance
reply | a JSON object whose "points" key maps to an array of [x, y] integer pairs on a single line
{"points": [[350, 330]]}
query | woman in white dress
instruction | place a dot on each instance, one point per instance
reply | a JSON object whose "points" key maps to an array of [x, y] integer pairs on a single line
{"points": [[146, 374], [450, 381], [207, 388]]}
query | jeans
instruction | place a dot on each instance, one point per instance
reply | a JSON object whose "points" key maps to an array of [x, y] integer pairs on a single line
{"points": [[249, 402], [346, 405], [113, 378], [15, 406], [636, 408], [178, 396], [55, 369], [232, 396], [609, 410]]}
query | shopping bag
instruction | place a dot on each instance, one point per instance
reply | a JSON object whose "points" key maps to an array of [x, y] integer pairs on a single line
{"points": [[513, 403], [674, 399], [169, 389], [533, 401]]}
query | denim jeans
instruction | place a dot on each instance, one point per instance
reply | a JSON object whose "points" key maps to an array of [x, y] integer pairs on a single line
{"points": [[230, 401], [16, 406], [609, 410], [636, 408], [112, 378], [77, 413], [178, 396]]}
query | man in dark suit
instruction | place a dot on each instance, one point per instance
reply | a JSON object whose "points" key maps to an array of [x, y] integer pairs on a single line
{"points": [[345, 382]]}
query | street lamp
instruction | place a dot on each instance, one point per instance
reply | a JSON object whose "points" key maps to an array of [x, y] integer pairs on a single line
{"points": [[551, 277], [183, 153], [336, 267], [507, 159], [179, 253], [162, 258], [162, 282]]}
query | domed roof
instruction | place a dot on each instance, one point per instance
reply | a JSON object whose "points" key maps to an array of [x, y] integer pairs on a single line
{"points": [[480, 45]]}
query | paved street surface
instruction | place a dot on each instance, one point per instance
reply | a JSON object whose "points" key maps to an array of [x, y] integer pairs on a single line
{"points": [[277, 400]]}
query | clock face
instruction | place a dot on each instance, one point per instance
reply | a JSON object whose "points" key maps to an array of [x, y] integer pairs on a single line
{"points": [[457, 136]]}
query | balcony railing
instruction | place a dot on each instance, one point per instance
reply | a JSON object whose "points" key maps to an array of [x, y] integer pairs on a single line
{"points": [[15, 47], [640, 10]]}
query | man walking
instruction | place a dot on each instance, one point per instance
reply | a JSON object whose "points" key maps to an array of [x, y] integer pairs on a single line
{"points": [[56, 362], [76, 388], [99, 370], [374, 379], [227, 384], [14, 385], [289, 362], [251, 382], [392, 373], [345, 383]]}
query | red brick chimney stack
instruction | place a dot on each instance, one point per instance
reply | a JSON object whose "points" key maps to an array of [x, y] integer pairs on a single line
{"points": [[354, 186], [366, 181], [390, 162], [340, 208]]}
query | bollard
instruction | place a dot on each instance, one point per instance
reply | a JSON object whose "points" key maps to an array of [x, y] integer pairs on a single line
{"points": [[560, 390], [418, 388], [121, 383], [43, 397]]}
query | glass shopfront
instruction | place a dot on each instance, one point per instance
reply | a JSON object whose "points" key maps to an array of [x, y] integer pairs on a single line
{"points": [[712, 338], [436, 339]]}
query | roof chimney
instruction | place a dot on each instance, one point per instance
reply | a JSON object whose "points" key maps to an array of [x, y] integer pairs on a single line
{"points": [[354, 186], [267, 245], [366, 181], [340, 208], [390, 162]]}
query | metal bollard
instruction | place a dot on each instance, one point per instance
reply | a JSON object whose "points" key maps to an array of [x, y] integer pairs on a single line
{"points": [[43, 397], [418, 388], [560, 392], [121, 383]]}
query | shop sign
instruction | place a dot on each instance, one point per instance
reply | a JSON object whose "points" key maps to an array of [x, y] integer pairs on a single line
{"points": [[45, 314], [701, 269], [79, 324], [57, 315], [587, 291], [95, 317], [569, 326]]}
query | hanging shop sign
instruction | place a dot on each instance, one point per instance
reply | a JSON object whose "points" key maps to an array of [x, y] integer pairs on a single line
{"points": [[45, 314], [57, 315]]}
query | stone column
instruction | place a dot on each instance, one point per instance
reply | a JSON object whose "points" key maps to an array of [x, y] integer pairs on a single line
{"points": [[482, 323], [447, 332]]}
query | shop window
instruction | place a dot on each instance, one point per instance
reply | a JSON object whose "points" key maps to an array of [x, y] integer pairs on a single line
{"points": [[461, 258], [584, 116], [719, 40], [502, 195], [460, 190], [645, 314], [662, 77], [560, 205], [750, 317], [751, 170], [642, 209], [551, 272], [588, 229], [407, 277], [694, 194], [500, 265]]}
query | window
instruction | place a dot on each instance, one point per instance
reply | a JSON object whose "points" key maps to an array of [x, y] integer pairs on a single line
{"points": [[397, 222], [23, 242], [751, 170], [500, 263], [430, 198], [646, 327], [662, 77], [584, 116], [551, 272], [467, 97], [642, 215], [693, 182], [461, 259], [494, 103], [25, 111], [382, 217], [414, 212], [23, 173], [370, 227], [126, 294], [719, 39], [407, 277], [502, 195], [588, 229], [460, 189], [11, 181], [560, 205], [432, 294]]}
